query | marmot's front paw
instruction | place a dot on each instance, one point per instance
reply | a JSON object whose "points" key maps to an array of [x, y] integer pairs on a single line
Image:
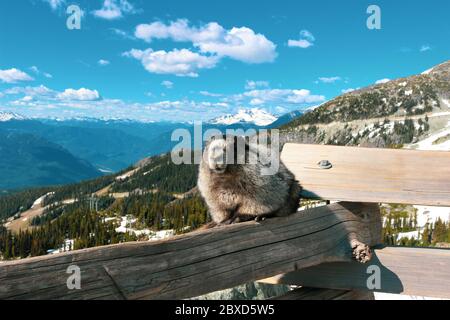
{"points": [[361, 251]]}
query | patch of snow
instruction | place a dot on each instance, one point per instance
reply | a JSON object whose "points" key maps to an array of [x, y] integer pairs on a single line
{"points": [[162, 234], [66, 246], [126, 227], [126, 175], [412, 234], [125, 223], [419, 106], [446, 102], [430, 215], [403, 84], [39, 201], [427, 71], [408, 92], [427, 144]]}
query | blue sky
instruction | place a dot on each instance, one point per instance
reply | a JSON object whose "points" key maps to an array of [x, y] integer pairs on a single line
{"points": [[191, 60]]}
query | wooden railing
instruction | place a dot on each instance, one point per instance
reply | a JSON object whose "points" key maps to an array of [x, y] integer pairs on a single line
{"points": [[314, 248]]}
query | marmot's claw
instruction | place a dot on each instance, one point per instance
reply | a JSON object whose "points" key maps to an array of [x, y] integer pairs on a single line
{"points": [[260, 218], [361, 251]]}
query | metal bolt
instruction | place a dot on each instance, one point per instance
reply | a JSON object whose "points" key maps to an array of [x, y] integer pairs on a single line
{"points": [[325, 164]]}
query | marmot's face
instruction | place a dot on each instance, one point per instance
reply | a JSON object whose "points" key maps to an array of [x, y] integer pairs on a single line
{"points": [[217, 156]]}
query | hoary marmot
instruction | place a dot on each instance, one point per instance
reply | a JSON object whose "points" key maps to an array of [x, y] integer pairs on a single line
{"points": [[239, 192]]}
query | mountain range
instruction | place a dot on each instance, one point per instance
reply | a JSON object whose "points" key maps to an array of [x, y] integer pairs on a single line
{"points": [[104, 145]]}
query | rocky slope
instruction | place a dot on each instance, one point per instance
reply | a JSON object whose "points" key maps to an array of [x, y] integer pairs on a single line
{"points": [[390, 114]]}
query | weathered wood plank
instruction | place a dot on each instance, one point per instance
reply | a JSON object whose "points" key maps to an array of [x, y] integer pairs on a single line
{"points": [[371, 175], [412, 271], [199, 262]]}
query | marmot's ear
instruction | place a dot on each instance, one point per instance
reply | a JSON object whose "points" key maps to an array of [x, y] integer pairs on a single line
{"points": [[213, 138]]}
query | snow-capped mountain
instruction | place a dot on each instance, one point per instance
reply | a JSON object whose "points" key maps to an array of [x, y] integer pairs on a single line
{"points": [[7, 116], [256, 116]]}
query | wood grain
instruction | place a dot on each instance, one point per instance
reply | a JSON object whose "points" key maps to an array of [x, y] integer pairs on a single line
{"points": [[199, 262], [371, 175], [412, 271]]}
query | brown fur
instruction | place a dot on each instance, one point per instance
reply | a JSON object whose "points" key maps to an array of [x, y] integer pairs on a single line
{"points": [[239, 192]]}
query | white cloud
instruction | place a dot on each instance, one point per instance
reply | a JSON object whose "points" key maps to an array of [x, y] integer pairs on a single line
{"points": [[348, 90], [329, 79], [55, 4], [38, 72], [382, 81], [34, 69], [81, 94], [306, 40], [304, 96], [27, 98], [30, 91], [123, 34], [241, 44], [424, 48], [182, 63], [168, 84], [280, 96], [256, 102], [299, 43], [14, 75], [43, 102], [114, 9], [210, 94], [281, 110], [251, 85], [103, 62]]}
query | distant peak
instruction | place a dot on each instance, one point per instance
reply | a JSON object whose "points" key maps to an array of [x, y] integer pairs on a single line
{"points": [[7, 116], [257, 116]]}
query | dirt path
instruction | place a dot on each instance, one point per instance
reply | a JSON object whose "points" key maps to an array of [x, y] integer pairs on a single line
{"points": [[378, 120]]}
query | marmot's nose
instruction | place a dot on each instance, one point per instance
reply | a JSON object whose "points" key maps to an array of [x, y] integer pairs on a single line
{"points": [[220, 168]]}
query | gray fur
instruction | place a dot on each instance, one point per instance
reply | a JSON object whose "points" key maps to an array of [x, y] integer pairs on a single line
{"points": [[239, 192]]}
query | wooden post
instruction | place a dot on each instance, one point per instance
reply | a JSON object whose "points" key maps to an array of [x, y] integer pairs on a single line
{"points": [[199, 262], [410, 271]]}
